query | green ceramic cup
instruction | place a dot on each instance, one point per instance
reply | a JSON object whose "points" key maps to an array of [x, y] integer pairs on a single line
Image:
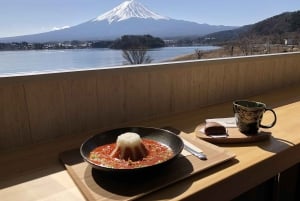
{"points": [[249, 114]]}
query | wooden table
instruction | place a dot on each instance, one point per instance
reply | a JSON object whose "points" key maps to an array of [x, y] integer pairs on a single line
{"points": [[34, 173]]}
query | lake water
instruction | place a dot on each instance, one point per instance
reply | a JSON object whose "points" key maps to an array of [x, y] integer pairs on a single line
{"points": [[43, 61]]}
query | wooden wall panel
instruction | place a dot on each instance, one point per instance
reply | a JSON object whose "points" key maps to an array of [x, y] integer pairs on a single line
{"points": [[14, 121], [180, 90], [243, 80], [293, 69], [288, 69], [110, 97], [254, 78], [199, 90], [278, 72], [41, 107], [231, 79], [80, 103], [215, 84], [136, 92], [262, 76], [160, 99], [46, 109]]}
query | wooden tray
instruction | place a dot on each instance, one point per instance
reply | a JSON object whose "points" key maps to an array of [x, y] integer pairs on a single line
{"points": [[97, 186], [234, 136]]}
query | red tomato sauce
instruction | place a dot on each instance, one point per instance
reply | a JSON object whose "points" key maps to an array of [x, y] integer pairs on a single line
{"points": [[157, 153]]}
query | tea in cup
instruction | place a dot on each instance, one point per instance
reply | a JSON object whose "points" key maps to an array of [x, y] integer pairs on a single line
{"points": [[249, 114]]}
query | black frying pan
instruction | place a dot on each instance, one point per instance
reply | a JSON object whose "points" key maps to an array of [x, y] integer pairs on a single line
{"points": [[165, 137]]}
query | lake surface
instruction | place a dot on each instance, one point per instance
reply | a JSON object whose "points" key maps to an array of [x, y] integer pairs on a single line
{"points": [[43, 61]]}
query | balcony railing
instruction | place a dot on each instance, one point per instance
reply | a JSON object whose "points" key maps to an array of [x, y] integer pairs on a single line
{"points": [[41, 107], [44, 115]]}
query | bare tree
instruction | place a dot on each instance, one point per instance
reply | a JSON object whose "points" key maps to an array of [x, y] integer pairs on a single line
{"points": [[136, 56], [229, 49], [245, 45], [199, 54]]}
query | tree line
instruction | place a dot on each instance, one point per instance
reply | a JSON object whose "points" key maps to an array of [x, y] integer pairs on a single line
{"points": [[125, 42], [134, 47]]}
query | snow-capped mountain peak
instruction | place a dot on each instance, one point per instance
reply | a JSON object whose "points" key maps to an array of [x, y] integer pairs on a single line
{"points": [[129, 18], [129, 9]]}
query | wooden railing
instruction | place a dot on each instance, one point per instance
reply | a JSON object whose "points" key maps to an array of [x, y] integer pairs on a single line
{"points": [[35, 108]]}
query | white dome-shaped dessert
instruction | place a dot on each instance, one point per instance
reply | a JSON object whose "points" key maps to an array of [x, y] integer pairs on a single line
{"points": [[129, 146]]}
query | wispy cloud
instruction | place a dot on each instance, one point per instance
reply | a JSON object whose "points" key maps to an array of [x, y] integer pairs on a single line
{"points": [[59, 28]]}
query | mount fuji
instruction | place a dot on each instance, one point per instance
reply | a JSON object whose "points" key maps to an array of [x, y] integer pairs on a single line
{"points": [[128, 18]]}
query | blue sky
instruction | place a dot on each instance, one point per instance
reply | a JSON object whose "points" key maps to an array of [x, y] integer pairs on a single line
{"points": [[19, 17]]}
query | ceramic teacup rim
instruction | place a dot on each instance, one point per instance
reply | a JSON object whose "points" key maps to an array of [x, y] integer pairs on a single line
{"points": [[259, 105]]}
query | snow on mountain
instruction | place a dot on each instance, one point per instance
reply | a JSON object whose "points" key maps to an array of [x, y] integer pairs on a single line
{"points": [[129, 18], [129, 9]]}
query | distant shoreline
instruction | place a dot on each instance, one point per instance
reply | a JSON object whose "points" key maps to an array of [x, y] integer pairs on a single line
{"points": [[237, 51]]}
